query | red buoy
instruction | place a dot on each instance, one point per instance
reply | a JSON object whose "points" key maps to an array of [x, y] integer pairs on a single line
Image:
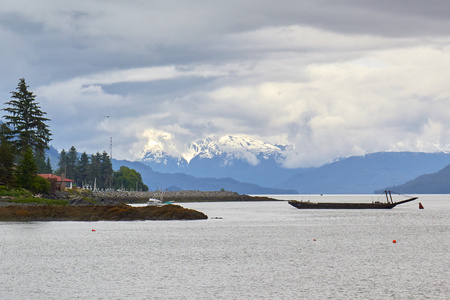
{"points": [[420, 206], [394, 241], [93, 229]]}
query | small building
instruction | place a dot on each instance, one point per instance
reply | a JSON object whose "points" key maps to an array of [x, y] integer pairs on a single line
{"points": [[58, 183]]}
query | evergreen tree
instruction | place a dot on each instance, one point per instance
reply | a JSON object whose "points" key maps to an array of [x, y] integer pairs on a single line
{"points": [[6, 157], [48, 167], [40, 162], [6, 164], [72, 163], [95, 170], [5, 133], [27, 121], [83, 169], [26, 171], [62, 164], [106, 170]]}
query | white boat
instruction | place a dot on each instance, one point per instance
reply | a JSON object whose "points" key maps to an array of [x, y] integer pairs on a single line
{"points": [[156, 202]]}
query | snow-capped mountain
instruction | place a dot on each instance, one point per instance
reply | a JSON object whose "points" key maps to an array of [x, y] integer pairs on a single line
{"points": [[159, 157], [233, 147], [240, 157], [228, 148]]}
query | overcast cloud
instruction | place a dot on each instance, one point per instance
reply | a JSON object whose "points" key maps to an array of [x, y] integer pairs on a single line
{"points": [[331, 78]]}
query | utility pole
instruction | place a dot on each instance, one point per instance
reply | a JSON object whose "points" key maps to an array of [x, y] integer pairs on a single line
{"points": [[110, 155], [110, 142]]}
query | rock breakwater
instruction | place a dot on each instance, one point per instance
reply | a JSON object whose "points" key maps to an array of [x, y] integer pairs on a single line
{"points": [[175, 196]]}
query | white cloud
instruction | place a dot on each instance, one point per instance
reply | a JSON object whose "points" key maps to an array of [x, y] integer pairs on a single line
{"points": [[332, 80], [375, 102]]}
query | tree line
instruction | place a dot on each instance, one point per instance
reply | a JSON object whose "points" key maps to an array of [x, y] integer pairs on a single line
{"points": [[24, 137], [96, 171], [93, 171]]}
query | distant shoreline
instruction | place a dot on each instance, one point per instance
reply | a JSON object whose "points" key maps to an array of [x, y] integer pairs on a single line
{"points": [[111, 206], [86, 197], [175, 196]]}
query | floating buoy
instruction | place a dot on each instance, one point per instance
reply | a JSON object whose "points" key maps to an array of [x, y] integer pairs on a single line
{"points": [[314, 240], [420, 206], [93, 229], [394, 241]]}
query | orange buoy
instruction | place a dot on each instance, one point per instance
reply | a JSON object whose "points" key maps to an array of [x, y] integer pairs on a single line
{"points": [[394, 241], [420, 206], [314, 240]]}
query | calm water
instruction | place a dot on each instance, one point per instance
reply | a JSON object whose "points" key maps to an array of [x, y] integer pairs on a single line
{"points": [[256, 251]]}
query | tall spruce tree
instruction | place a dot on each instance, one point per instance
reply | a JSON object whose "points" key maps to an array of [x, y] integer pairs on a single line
{"points": [[27, 121], [83, 169], [106, 170], [48, 167], [72, 163], [95, 170], [62, 164]]}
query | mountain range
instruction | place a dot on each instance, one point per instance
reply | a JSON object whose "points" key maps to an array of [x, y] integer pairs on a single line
{"points": [[242, 158], [252, 161], [180, 181], [250, 166]]}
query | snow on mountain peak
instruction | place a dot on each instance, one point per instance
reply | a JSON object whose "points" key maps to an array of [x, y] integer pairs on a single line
{"points": [[229, 147], [246, 143], [233, 147]]}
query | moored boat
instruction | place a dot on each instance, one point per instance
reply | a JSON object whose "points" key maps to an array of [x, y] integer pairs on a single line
{"points": [[156, 202], [348, 205]]}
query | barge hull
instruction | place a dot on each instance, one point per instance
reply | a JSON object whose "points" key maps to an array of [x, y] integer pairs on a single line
{"points": [[330, 205]]}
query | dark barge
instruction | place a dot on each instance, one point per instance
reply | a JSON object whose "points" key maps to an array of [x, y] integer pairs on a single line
{"points": [[339, 205]]}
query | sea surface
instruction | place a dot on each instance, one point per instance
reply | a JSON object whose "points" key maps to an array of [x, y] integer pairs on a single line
{"points": [[245, 250]]}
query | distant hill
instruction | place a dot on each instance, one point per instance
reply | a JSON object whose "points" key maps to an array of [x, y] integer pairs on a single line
{"points": [[435, 183], [178, 181], [366, 174], [353, 175], [53, 155]]}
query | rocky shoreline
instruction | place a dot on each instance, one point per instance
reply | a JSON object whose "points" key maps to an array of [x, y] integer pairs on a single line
{"points": [[121, 212], [85, 205]]}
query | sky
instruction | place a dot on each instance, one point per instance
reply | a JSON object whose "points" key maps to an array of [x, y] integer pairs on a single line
{"points": [[328, 78]]}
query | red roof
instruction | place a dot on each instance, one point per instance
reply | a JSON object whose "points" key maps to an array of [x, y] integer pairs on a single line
{"points": [[58, 178]]}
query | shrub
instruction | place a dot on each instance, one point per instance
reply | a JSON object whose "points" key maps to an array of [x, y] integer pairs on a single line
{"points": [[40, 185], [14, 192]]}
